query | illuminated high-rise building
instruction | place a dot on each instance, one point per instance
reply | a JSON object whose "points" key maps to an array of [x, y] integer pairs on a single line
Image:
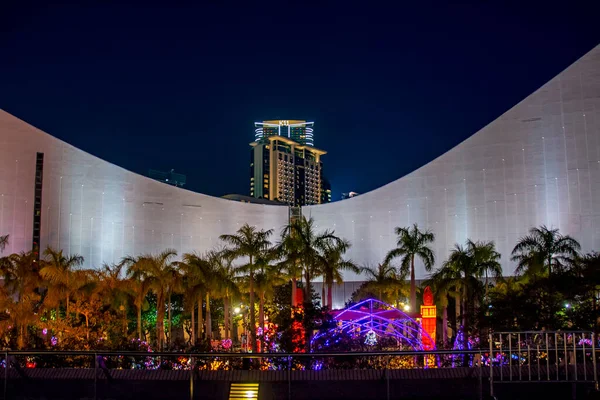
{"points": [[284, 170], [325, 191], [299, 131]]}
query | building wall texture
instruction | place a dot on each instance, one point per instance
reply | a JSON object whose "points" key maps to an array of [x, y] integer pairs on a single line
{"points": [[539, 163], [103, 212]]}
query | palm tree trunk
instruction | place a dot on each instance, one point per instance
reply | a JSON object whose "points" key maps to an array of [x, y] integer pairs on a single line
{"points": [[160, 322], [169, 319], [252, 316], [87, 326], [445, 325], [307, 301], [208, 318], [294, 288], [323, 303], [20, 340], [261, 319], [200, 319], [457, 313], [464, 311], [226, 316], [124, 322], [330, 296], [413, 286], [67, 315], [307, 288], [230, 322], [193, 335], [486, 287], [139, 322]]}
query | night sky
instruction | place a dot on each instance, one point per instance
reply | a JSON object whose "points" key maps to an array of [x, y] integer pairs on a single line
{"points": [[389, 88]]}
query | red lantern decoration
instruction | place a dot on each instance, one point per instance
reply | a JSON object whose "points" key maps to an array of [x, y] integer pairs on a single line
{"points": [[428, 319]]}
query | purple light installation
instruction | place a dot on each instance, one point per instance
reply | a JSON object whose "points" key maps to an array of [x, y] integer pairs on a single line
{"points": [[372, 319]]}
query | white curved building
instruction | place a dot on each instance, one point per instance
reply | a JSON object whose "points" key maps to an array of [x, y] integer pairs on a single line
{"points": [[539, 163], [103, 212]]}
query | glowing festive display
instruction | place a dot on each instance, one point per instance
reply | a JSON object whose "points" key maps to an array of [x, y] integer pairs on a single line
{"points": [[372, 319], [428, 318], [371, 338]]}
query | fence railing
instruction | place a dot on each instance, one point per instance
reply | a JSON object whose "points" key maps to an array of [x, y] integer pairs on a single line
{"points": [[506, 357]]}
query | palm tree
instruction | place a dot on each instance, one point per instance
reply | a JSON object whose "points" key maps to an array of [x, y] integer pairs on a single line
{"points": [[59, 271], [87, 297], [158, 271], [332, 264], [413, 243], [224, 284], [139, 286], [215, 282], [290, 263], [464, 269], [3, 242], [543, 250], [193, 287], [20, 285], [194, 268], [115, 290], [267, 278], [486, 259], [308, 245], [251, 243], [385, 282]]}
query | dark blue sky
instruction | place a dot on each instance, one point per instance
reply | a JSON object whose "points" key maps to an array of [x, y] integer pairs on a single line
{"points": [[389, 88]]}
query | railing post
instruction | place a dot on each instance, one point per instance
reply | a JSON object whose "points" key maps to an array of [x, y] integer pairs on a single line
{"points": [[6, 364], [594, 361], [566, 356], [387, 378], [492, 365], [510, 356], [539, 371], [289, 374], [501, 357], [480, 366], [529, 359], [575, 355], [519, 357], [95, 376], [584, 360], [191, 377], [547, 359], [556, 354]]}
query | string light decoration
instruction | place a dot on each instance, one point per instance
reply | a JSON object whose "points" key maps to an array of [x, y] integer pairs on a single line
{"points": [[373, 317]]}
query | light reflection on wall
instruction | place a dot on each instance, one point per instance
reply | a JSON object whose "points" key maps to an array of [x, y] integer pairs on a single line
{"points": [[103, 212], [539, 163]]}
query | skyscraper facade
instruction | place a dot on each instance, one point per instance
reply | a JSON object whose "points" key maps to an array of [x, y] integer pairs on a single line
{"points": [[284, 170], [299, 131], [325, 191]]}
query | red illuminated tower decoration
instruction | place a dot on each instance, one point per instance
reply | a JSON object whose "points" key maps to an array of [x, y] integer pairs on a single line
{"points": [[428, 314]]}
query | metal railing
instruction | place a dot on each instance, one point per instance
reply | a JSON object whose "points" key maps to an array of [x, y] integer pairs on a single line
{"points": [[509, 357], [551, 356]]}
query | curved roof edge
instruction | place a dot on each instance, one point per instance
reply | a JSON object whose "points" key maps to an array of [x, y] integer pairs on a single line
{"points": [[475, 135], [174, 188]]}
